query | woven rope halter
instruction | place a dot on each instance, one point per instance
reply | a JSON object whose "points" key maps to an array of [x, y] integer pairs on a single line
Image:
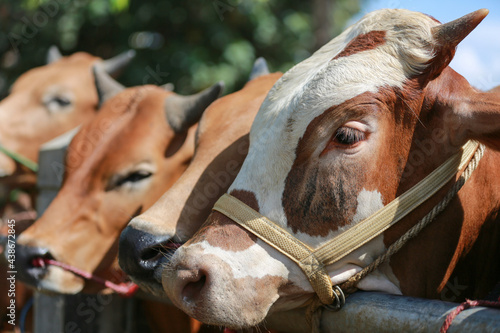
{"points": [[313, 262]]}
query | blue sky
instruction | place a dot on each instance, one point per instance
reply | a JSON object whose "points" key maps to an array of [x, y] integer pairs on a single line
{"points": [[478, 55]]}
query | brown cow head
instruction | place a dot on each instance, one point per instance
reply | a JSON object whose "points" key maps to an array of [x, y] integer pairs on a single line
{"points": [[116, 166], [48, 101], [221, 147], [333, 142]]}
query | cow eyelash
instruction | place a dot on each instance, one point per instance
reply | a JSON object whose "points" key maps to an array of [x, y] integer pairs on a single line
{"points": [[348, 136], [62, 101], [134, 177]]}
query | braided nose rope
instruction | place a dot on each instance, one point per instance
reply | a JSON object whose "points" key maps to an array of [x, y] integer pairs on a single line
{"points": [[127, 289]]}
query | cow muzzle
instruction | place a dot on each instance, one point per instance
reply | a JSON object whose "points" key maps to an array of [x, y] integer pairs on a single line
{"points": [[143, 256], [25, 257], [44, 277]]}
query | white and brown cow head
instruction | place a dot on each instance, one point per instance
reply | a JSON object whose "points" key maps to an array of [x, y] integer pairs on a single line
{"points": [[117, 165], [48, 101], [338, 137]]}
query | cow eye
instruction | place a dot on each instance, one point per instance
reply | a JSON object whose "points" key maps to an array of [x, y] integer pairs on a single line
{"points": [[348, 136], [62, 101], [57, 103], [134, 177]]}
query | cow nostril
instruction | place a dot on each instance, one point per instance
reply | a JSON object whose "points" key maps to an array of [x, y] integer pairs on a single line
{"points": [[141, 253], [192, 289], [152, 253], [159, 251]]}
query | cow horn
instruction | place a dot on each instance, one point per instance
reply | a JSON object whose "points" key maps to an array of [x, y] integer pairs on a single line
{"points": [[452, 33], [184, 111], [446, 38], [113, 65], [259, 68], [53, 54], [106, 86], [168, 86]]}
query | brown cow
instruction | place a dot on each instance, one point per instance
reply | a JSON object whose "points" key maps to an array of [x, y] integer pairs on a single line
{"points": [[340, 136], [43, 103], [221, 147], [116, 166], [47, 101]]}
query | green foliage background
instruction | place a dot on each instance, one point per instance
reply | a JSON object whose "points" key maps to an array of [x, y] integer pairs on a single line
{"points": [[196, 42]]}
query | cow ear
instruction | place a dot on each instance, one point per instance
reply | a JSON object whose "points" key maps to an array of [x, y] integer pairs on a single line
{"points": [[475, 115], [53, 54], [184, 111], [106, 86], [446, 38], [113, 66], [168, 86]]}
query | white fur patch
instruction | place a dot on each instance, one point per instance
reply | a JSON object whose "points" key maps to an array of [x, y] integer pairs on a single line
{"points": [[253, 262], [368, 203], [377, 281]]}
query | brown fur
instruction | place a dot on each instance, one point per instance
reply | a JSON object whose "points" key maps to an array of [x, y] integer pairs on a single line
{"points": [[25, 123], [217, 160], [363, 42], [467, 254]]}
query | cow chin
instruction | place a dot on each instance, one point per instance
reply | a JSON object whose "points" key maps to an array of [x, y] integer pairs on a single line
{"points": [[57, 280]]}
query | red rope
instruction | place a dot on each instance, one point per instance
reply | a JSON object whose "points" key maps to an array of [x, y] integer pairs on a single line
{"points": [[29, 215], [464, 306], [127, 289]]}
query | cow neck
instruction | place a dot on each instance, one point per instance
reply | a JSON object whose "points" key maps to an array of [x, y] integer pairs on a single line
{"points": [[313, 262]]}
